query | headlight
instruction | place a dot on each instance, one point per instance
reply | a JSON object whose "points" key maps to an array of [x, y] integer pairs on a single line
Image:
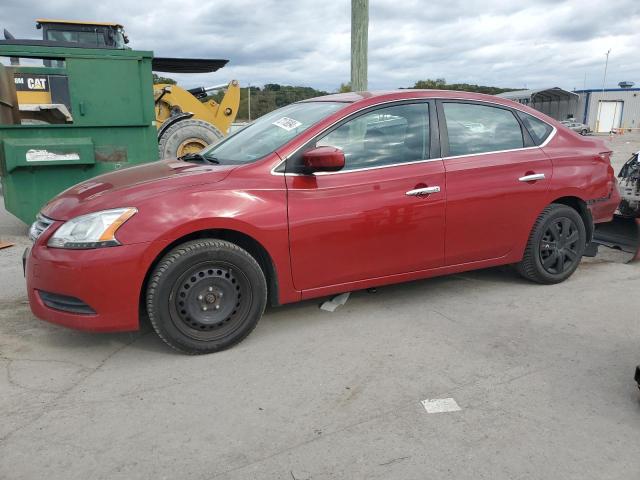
{"points": [[91, 231]]}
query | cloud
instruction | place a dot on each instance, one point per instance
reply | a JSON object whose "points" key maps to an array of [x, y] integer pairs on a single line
{"points": [[533, 43]]}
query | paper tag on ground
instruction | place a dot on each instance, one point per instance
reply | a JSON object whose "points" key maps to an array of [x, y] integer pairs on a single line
{"points": [[335, 302], [287, 123], [440, 405]]}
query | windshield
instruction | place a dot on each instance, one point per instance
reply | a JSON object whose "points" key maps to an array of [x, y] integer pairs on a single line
{"points": [[270, 132]]}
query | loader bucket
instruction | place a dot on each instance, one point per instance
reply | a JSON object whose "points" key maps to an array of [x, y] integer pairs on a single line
{"points": [[622, 234]]}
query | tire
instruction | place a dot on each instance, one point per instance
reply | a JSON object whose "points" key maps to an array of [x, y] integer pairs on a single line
{"points": [[195, 133], [555, 246], [205, 296], [584, 131]]}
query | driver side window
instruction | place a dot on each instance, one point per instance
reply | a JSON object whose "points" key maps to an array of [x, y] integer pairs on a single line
{"points": [[386, 136]]}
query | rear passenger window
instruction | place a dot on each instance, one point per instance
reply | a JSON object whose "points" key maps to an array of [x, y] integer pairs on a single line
{"points": [[474, 128], [538, 130]]}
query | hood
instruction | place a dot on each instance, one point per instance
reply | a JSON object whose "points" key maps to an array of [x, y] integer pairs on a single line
{"points": [[129, 186]]}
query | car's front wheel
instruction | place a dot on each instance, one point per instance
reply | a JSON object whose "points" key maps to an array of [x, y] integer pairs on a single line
{"points": [[555, 247], [206, 295], [584, 131]]}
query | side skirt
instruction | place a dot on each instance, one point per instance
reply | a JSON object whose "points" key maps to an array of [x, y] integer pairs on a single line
{"points": [[406, 277]]}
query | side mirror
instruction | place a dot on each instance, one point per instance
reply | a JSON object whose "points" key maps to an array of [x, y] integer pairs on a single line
{"points": [[323, 159]]}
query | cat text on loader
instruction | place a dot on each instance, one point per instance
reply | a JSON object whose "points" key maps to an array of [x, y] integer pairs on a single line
{"points": [[186, 121]]}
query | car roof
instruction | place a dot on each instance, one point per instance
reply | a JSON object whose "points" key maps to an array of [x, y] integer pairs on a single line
{"points": [[378, 96]]}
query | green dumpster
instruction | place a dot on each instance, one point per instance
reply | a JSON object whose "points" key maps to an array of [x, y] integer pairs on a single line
{"points": [[68, 114]]}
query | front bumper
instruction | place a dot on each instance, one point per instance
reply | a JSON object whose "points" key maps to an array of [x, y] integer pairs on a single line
{"points": [[108, 280]]}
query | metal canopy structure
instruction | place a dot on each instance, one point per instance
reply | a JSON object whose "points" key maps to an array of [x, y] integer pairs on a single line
{"points": [[555, 102], [540, 94], [187, 65]]}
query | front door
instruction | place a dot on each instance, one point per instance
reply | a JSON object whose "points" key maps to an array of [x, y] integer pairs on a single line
{"points": [[375, 217], [496, 184]]}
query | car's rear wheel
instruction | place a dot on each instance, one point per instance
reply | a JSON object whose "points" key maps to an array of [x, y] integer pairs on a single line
{"points": [[206, 295], [555, 247], [584, 131]]}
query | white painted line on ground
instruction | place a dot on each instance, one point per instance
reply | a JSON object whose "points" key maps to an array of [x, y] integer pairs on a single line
{"points": [[440, 405]]}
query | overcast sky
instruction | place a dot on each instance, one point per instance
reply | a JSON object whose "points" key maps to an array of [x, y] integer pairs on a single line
{"points": [[508, 43]]}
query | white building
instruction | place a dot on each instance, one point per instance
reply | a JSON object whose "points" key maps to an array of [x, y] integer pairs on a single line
{"points": [[608, 109]]}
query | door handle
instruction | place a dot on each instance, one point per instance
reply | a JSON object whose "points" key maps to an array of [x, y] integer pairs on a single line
{"points": [[532, 178], [423, 191]]}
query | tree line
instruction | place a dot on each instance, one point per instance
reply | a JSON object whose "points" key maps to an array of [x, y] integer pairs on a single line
{"points": [[272, 95], [268, 98], [441, 84]]}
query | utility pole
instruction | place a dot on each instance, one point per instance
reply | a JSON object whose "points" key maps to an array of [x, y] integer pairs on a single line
{"points": [[604, 79], [606, 64], [359, 44], [249, 101]]}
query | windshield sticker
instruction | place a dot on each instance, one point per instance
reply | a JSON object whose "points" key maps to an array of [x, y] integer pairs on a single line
{"points": [[287, 123]]}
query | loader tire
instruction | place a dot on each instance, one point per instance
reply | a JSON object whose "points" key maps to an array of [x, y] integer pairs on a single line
{"points": [[187, 136]]}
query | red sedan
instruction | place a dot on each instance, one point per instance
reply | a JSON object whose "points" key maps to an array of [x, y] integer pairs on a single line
{"points": [[328, 195]]}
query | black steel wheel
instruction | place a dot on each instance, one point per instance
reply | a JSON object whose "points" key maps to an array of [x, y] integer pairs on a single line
{"points": [[206, 295], [555, 247], [209, 300]]}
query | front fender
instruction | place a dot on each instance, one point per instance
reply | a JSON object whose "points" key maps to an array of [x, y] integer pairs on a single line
{"points": [[259, 214]]}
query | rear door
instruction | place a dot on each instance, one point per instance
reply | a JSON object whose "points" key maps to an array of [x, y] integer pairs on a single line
{"points": [[496, 181], [367, 220]]}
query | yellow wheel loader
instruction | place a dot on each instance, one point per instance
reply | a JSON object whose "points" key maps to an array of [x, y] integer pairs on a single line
{"points": [[186, 122]]}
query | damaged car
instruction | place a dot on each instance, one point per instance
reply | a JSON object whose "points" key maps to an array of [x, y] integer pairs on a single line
{"points": [[324, 196], [579, 127], [623, 232], [629, 186]]}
